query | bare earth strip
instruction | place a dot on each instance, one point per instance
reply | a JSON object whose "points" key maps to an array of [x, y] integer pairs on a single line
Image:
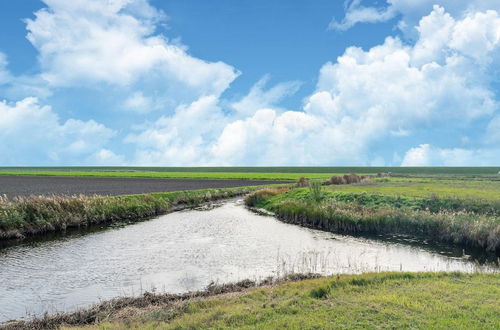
{"points": [[41, 185]]}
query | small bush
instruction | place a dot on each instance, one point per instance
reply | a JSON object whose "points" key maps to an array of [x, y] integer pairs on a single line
{"points": [[302, 182], [337, 180], [352, 178]]}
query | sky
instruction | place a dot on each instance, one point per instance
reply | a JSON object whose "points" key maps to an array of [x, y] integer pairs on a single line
{"points": [[250, 83]]}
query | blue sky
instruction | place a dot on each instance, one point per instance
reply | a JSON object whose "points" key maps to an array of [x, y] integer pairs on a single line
{"points": [[185, 82]]}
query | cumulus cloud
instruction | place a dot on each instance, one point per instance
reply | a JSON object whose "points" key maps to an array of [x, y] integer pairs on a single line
{"points": [[391, 91], [409, 11], [33, 134], [260, 98], [182, 138], [427, 155], [357, 13], [369, 106], [364, 102], [114, 43]]}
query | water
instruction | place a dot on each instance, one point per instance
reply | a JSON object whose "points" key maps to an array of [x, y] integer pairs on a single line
{"points": [[185, 251]]}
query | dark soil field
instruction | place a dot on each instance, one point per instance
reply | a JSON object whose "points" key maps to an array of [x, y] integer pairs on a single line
{"points": [[45, 185]]}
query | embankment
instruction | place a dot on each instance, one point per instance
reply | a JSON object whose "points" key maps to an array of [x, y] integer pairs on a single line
{"points": [[376, 300], [30, 216], [351, 214]]}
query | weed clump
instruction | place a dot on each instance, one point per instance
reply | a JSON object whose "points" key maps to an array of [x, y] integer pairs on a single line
{"points": [[316, 191], [256, 198]]}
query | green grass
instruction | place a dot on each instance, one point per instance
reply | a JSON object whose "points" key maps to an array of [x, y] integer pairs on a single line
{"points": [[369, 301], [459, 187], [179, 175], [461, 212], [432, 203], [263, 173]]}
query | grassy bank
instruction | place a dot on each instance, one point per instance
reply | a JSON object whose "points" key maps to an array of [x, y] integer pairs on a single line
{"points": [[432, 203], [383, 300], [37, 215], [468, 223]]}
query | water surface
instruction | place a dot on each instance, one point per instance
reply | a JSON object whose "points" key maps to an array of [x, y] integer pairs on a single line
{"points": [[186, 251]]}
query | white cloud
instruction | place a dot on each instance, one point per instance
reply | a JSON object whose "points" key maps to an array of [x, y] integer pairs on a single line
{"points": [[32, 134], [409, 11], [383, 94], [137, 102], [357, 13], [492, 135], [84, 43], [427, 155], [182, 138], [392, 96], [363, 101], [105, 157], [4, 73], [258, 98]]}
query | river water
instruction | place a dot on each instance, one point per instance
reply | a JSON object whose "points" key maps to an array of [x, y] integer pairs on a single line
{"points": [[187, 250]]}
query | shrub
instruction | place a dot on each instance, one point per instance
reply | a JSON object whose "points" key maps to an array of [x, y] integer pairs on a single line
{"points": [[352, 178], [302, 182], [337, 180]]}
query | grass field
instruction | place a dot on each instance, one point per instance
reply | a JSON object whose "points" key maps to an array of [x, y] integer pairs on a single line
{"points": [[458, 187], [464, 211], [369, 301], [456, 208], [262, 173], [174, 175]]}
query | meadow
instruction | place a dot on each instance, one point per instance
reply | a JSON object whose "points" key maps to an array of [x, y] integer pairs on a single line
{"points": [[460, 206], [373, 301], [464, 212], [257, 173]]}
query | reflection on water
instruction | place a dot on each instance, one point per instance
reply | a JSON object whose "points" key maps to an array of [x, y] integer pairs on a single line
{"points": [[187, 250]]}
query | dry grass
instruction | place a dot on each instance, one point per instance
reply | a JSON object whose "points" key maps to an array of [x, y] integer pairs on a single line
{"points": [[352, 178], [261, 195]]}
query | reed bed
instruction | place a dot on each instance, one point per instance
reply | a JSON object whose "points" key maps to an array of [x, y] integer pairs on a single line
{"points": [[37, 215], [462, 227]]}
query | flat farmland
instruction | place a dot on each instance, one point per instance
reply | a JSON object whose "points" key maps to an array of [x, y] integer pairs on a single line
{"points": [[66, 185]]}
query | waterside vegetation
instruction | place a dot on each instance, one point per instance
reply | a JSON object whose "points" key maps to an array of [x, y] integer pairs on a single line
{"points": [[23, 217], [359, 209], [375, 300]]}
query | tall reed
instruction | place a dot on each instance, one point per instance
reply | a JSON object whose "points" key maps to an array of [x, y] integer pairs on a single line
{"points": [[35, 215]]}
